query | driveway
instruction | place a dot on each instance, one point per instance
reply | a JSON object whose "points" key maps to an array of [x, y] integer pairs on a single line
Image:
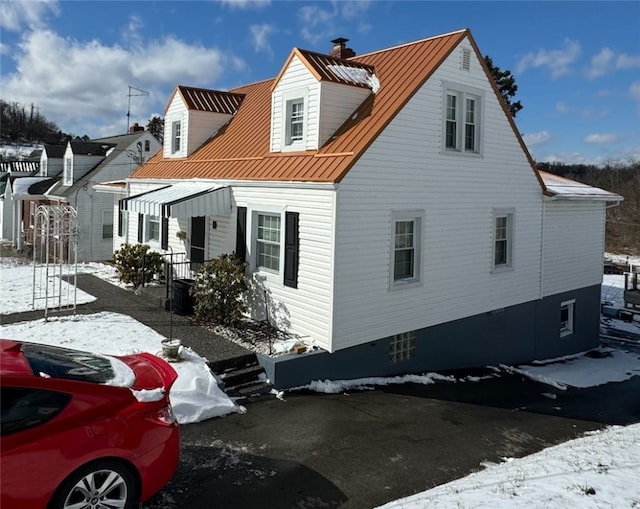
{"points": [[363, 449]]}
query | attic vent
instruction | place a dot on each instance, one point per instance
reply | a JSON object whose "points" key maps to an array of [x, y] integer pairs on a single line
{"points": [[465, 64]]}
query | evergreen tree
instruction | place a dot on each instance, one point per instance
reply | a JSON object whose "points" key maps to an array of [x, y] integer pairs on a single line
{"points": [[156, 127], [506, 83]]}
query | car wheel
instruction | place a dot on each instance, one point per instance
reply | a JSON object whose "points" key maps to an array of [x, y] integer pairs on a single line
{"points": [[104, 484]]}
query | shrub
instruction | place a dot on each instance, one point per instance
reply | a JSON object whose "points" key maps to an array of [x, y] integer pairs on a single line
{"points": [[135, 264], [218, 288]]}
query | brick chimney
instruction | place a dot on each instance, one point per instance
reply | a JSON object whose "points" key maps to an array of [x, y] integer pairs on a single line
{"points": [[135, 128], [340, 49]]}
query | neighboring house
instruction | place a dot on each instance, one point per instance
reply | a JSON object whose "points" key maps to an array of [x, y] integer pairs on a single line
{"points": [[388, 209], [9, 171], [52, 160], [85, 164]]}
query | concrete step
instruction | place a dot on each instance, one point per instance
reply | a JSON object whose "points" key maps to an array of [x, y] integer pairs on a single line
{"points": [[240, 376], [235, 362]]}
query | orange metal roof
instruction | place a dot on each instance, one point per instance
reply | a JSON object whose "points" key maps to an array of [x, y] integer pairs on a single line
{"points": [[241, 150]]}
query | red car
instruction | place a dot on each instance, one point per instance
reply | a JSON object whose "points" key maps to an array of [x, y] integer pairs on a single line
{"points": [[82, 430]]}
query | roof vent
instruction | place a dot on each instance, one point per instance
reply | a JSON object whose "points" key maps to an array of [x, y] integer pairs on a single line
{"points": [[465, 63], [340, 49]]}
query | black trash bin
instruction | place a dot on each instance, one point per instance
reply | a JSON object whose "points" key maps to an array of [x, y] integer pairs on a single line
{"points": [[182, 300]]}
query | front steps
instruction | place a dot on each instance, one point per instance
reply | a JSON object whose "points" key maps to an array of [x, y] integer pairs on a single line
{"points": [[242, 376]]}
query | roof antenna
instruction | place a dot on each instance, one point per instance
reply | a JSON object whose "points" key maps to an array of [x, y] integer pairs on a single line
{"points": [[132, 94]]}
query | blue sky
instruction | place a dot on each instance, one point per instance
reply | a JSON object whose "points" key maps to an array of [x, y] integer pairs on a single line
{"points": [[577, 64]]}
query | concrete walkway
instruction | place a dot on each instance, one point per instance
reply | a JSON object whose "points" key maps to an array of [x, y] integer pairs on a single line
{"points": [[147, 310]]}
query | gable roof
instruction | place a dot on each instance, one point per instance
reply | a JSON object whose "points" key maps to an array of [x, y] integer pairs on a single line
{"points": [[241, 150], [55, 151], [90, 148], [201, 99]]}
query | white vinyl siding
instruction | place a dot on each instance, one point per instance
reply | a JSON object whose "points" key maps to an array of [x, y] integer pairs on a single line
{"points": [[405, 168], [305, 310], [176, 114], [296, 83], [338, 103], [573, 246]]}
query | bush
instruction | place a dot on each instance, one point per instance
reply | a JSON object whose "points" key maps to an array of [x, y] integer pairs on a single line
{"points": [[218, 288], [135, 264]]}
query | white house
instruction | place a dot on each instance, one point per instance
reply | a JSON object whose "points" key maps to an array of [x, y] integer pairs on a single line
{"points": [[85, 164], [388, 208]]}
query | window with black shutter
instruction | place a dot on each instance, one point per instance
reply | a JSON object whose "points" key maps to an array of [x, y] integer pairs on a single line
{"points": [[291, 248], [164, 233]]}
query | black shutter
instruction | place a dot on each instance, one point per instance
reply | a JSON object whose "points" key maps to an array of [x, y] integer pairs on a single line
{"points": [[164, 233], [140, 227], [241, 234], [120, 217], [291, 246]]}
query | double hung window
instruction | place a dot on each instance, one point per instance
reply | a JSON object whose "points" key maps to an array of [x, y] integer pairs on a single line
{"points": [[268, 242], [462, 123], [566, 317], [152, 232], [503, 239], [176, 137], [406, 244]]}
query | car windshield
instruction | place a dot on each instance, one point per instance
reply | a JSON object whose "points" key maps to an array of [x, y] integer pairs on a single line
{"points": [[56, 362]]}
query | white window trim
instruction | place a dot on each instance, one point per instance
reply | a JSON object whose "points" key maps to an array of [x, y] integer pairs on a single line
{"points": [[462, 92], [570, 327], [417, 216], [510, 214], [68, 171], [252, 229], [287, 99], [174, 124], [147, 231]]}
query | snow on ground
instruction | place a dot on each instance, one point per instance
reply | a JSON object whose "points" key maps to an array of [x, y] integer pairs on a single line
{"points": [[598, 470], [195, 396]]}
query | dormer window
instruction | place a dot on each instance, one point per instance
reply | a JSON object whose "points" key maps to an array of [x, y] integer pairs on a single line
{"points": [[295, 116], [176, 137]]}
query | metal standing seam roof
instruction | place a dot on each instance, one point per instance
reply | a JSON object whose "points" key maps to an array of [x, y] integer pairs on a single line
{"points": [[563, 188], [215, 101], [241, 151]]}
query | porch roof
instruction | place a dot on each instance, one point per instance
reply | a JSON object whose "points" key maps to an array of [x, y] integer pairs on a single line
{"points": [[182, 199]]}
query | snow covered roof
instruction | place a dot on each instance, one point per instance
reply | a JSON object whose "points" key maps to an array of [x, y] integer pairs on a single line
{"points": [[561, 188], [31, 188]]}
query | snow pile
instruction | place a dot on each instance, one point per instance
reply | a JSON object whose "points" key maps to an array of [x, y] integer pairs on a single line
{"points": [[195, 395]]}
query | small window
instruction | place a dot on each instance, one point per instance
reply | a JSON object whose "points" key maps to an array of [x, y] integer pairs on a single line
{"points": [[152, 230], [107, 224], [24, 408], [268, 242], [147, 145], [295, 122], [176, 137], [406, 247], [402, 347], [567, 317], [502, 240]]}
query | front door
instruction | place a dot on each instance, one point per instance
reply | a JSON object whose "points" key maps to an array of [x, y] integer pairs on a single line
{"points": [[198, 234]]}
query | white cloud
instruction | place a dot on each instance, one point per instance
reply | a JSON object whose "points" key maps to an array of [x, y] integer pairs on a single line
{"points": [[87, 82], [601, 138], [260, 35], [534, 139], [558, 61], [606, 61], [245, 4], [15, 15], [563, 108], [323, 24]]}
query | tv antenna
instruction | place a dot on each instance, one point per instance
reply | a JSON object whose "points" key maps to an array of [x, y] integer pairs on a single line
{"points": [[133, 92]]}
